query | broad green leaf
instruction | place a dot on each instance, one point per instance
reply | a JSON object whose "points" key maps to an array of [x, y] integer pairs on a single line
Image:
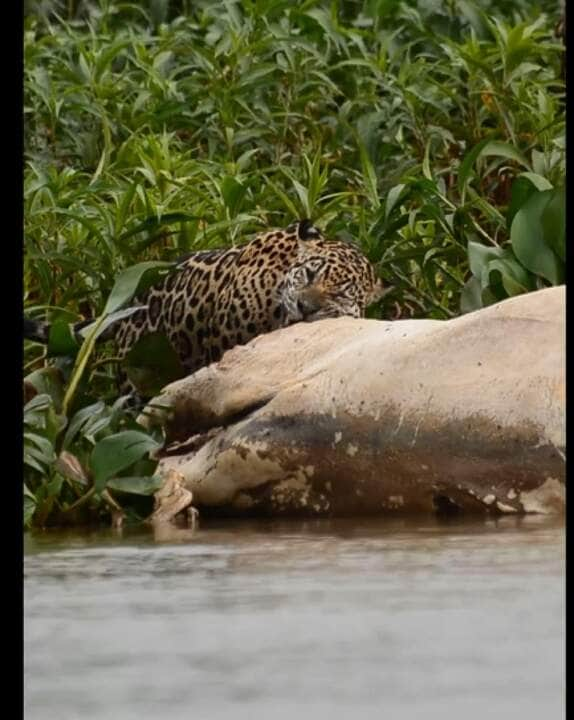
{"points": [[124, 207], [80, 419], [29, 508], [136, 485], [110, 320], [475, 17], [244, 160], [554, 222], [494, 292], [37, 404], [88, 224], [38, 451], [152, 363], [467, 164], [233, 192], [30, 462], [480, 255], [54, 486], [95, 425], [154, 223], [162, 62], [256, 76], [135, 280], [61, 340], [50, 381], [538, 221], [42, 443], [39, 414], [522, 189], [471, 295], [107, 55], [117, 452], [289, 204], [392, 197], [538, 162], [489, 210], [487, 148], [539, 182], [303, 195], [369, 176], [515, 279]]}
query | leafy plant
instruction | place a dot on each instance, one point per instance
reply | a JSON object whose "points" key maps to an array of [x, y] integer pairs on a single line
{"points": [[536, 256], [431, 133], [52, 432], [72, 463]]}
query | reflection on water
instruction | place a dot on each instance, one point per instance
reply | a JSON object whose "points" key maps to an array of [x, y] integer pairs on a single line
{"points": [[322, 619]]}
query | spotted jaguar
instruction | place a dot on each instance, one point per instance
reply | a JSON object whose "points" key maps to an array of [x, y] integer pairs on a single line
{"points": [[217, 299]]}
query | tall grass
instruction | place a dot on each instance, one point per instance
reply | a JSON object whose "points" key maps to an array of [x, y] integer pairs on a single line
{"points": [[418, 129]]}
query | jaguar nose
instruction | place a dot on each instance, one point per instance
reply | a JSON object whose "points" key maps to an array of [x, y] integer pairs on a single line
{"points": [[308, 306]]}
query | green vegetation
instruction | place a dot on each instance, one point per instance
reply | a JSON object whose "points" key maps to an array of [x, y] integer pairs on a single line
{"points": [[432, 133]]}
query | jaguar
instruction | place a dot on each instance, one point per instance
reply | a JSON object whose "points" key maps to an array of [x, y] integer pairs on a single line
{"points": [[216, 299]]}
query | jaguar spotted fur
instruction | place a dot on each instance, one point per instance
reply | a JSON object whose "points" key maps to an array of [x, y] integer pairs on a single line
{"points": [[217, 299]]}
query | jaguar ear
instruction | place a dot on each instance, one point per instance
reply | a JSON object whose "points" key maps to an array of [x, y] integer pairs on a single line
{"points": [[306, 230]]}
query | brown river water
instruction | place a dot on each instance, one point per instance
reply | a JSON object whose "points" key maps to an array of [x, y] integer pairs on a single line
{"points": [[322, 619]]}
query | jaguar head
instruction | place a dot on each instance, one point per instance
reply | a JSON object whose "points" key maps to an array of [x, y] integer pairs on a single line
{"points": [[331, 278]]}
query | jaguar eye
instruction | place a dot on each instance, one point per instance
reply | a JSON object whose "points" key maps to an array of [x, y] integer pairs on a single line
{"points": [[310, 274]]}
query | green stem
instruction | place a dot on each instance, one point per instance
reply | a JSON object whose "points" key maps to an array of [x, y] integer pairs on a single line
{"points": [[34, 361], [81, 362], [107, 361], [81, 501]]}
